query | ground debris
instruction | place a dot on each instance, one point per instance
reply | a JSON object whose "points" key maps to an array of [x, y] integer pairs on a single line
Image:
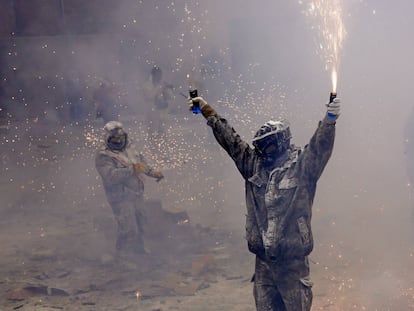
{"points": [[172, 285], [88, 303], [44, 254], [202, 264], [34, 290]]}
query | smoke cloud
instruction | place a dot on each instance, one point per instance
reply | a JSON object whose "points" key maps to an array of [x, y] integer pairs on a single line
{"points": [[253, 61]]}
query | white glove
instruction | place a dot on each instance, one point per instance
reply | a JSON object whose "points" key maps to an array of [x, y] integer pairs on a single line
{"points": [[200, 100], [334, 108]]}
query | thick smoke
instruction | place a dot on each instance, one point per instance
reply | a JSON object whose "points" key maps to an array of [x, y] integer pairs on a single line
{"points": [[252, 61]]}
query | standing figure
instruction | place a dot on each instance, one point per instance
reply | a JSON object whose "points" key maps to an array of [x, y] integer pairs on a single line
{"points": [[121, 169], [157, 95], [75, 100], [280, 184], [106, 102]]}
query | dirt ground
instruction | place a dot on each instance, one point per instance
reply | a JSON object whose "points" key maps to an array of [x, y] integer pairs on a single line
{"points": [[57, 233]]}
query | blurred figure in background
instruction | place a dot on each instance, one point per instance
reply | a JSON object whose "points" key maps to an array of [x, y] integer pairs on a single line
{"points": [[75, 99], [106, 102], [157, 96], [280, 181], [121, 169]]}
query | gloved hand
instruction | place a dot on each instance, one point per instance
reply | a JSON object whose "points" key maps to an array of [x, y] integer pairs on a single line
{"points": [[334, 109], [206, 109], [140, 168], [157, 175], [200, 100]]}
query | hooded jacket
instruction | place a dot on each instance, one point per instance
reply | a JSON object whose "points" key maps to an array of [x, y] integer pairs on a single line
{"points": [[279, 199], [117, 172]]}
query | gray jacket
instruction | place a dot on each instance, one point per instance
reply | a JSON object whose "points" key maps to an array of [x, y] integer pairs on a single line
{"points": [[117, 172], [279, 199]]}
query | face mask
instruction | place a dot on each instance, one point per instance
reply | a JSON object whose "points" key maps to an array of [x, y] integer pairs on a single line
{"points": [[271, 149], [268, 153], [117, 142]]}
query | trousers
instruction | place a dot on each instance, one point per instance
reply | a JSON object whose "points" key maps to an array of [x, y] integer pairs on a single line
{"points": [[130, 218], [274, 294]]}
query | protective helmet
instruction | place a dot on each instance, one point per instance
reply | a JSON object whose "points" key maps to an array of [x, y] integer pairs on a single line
{"points": [[276, 133], [116, 137]]}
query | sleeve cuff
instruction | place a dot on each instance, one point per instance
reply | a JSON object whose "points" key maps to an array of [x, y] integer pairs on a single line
{"points": [[208, 111], [329, 120]]}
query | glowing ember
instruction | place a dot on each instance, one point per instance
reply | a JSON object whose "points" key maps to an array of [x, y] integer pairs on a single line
{"points": [[92, 138], [183, 222]]}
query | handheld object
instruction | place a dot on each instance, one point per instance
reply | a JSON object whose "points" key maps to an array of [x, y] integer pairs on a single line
{"points": [[332, 96], [196, 105]]}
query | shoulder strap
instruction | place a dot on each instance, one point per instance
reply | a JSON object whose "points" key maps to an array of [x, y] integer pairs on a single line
{"points": [[119, 157]]}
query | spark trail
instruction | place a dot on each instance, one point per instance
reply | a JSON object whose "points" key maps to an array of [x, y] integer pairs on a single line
{"points": [[328, 21]]}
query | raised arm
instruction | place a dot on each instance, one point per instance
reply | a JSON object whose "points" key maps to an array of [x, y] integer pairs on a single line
{"points": [[317, 153], [227, 137]]}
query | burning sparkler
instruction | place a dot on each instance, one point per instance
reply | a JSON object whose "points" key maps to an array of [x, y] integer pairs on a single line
{"points": [[331, 33]]}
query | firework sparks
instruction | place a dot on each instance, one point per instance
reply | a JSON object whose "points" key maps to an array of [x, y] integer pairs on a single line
{"points": [[331, 32]]}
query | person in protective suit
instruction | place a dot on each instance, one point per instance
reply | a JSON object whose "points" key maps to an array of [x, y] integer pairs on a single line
{"points": [[157, 95], [121, 169], [106, 99], [280, 183]]}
